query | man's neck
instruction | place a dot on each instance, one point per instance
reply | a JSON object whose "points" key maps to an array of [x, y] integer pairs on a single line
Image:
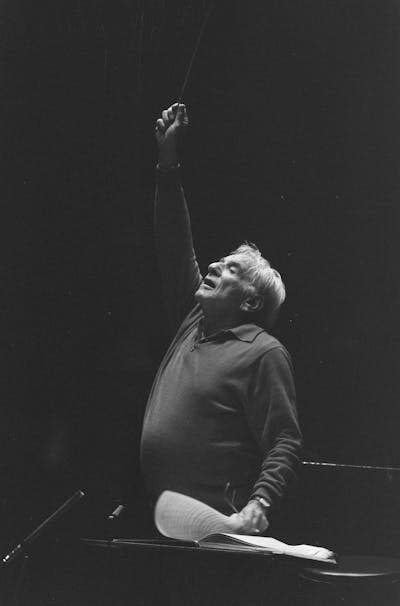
{"points": [[214, 324]]}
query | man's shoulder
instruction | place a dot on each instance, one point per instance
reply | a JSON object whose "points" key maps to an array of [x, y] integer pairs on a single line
{"points": [[260, 344], [258, 337], [270, 351], [265, 342]]}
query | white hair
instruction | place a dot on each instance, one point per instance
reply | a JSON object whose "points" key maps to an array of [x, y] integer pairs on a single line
{"points": [[264, 280]]}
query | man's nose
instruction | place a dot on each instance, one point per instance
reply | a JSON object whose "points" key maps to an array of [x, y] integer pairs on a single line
{"points": [[214, 268]]}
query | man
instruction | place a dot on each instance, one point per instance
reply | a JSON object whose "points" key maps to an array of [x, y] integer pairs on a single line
{"points": [[221, 421]]}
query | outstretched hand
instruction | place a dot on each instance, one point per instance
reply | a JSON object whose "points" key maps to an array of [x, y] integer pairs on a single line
{"points": [[170, 129], [251, 520]]}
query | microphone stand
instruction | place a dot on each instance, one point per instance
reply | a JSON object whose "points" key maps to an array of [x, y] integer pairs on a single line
{"points": [[35, 534], [111, 522]]}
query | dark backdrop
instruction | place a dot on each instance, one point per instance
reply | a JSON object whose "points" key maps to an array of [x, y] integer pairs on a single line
{"points": [[294, 144]]}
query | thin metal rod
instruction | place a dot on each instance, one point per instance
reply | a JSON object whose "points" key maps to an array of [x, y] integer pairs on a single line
{"points": [[35, 534], [77, 496], [196, 48], [346, 466]]}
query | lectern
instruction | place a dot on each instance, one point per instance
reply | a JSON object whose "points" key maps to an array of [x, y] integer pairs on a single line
{"points": [[158, 572]]}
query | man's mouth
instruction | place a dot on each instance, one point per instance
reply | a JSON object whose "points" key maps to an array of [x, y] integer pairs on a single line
{"points": [[209, 283]]}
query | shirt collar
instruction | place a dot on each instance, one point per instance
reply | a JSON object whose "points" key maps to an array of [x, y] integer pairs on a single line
{"points": [[243, 332], [246, 332]]}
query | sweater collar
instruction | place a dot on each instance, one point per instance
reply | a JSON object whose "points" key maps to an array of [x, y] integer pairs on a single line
{"points": [[243, 332], [246, 332]]}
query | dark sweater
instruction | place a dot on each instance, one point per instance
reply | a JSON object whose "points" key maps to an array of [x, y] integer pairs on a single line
{"points": [[222, 408]]}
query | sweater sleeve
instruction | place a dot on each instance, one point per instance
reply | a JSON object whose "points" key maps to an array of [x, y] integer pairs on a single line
{"points": [[180, 274], [272, 415]]}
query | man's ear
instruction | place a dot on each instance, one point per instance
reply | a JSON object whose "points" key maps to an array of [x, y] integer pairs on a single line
{"points": [[252, 304]]}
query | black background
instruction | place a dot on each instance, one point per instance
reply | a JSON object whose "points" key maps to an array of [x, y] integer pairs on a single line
{"points": [[294, 144]]}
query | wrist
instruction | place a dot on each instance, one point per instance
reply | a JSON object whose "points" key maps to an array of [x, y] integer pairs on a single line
{"points": [[167, 161], [262, 503]]}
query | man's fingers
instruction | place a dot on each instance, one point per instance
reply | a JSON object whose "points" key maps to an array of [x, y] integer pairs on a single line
{"points": [[236, 522], [258, 523], [181, 114], [251, 520], [242, 525], [178, 108], [175, 113], [161, 126], [263, 524], [171, 114]]}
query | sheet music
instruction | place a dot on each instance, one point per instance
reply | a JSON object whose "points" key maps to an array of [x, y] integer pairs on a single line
{"points": [[181, 517], [303, 551]]}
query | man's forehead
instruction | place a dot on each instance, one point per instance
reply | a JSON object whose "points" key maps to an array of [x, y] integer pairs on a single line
{"points": [[240, 259]]}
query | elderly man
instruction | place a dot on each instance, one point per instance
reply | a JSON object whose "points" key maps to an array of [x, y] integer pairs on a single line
{"points": [[221, 420]]}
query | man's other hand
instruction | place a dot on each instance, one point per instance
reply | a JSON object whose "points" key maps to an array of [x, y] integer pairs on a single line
{"points": [[251, 520], [170, 129]]}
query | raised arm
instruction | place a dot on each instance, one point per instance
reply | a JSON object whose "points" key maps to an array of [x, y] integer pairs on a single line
{"points": [[180, 273]]}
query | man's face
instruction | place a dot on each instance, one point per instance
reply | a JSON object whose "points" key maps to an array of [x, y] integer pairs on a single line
{"points": [[225, 286]]}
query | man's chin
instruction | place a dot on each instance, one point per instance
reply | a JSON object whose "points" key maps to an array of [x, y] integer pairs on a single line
{"points": [[201, 293]]}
